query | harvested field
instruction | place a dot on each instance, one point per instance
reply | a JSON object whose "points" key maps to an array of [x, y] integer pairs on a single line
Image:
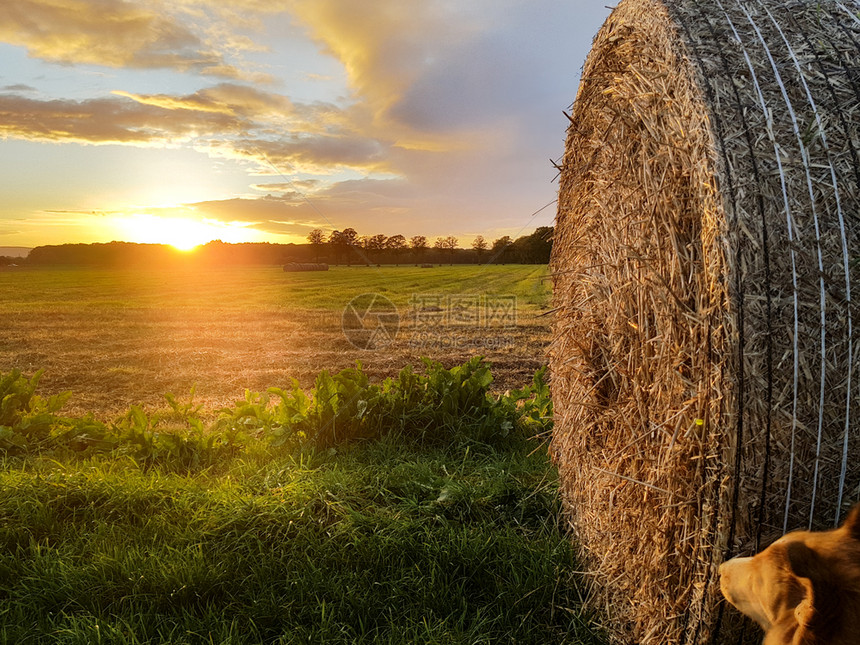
{"points": [[117, 338]]}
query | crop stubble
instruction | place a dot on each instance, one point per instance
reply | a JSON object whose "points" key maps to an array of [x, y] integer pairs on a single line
{"points": [[118, 338]]}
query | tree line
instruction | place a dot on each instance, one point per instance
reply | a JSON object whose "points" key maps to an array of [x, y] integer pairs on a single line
{"points": [[338, 247], [349, 247]]}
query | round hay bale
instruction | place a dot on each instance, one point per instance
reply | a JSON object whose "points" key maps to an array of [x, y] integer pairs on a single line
{"points": [[705, 266], [305, 266]]}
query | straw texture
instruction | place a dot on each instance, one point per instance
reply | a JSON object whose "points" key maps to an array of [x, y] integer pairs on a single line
{"points": [[705, 269]]}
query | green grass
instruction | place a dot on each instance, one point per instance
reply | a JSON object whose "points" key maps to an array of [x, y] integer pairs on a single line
{"points": [[431, 516], [376, 542], [263, 288]]}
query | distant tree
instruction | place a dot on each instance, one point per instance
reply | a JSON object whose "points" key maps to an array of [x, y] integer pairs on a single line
{"points": [[501, 251], [480, 246], [350, 236], [418, 244], [350, 243], [542, 244], [316, 238], [338, 245], [334, 245], [534, 248], [376, 245], [396, 244], [447, 245], [439, 245]]}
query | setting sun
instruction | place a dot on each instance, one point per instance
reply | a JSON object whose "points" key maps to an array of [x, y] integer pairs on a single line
{"points": [[183, 233]]}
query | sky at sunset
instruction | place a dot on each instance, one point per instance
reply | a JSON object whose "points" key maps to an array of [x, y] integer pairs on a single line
{"points": [[258, 120]]}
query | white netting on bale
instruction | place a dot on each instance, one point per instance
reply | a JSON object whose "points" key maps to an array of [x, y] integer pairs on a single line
{"points": [[706, 248]]}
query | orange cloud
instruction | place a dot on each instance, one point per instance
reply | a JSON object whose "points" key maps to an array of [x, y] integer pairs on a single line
{"points": [[283, 137], [300, 188], [380, 45], [313, 154], [226, 98], [366, 204], [112, 33], [229, 121], [267, 109], [387, 47], [100, 121]]}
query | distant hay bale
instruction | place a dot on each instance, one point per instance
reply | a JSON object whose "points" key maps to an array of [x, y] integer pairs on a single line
{"points": [[705, 254], [305, 266]]}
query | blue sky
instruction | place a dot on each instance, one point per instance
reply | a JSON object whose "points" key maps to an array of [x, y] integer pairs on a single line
{"points": [[259, 120]]}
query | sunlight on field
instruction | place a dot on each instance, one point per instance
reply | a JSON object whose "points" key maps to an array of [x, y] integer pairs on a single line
{"points": [[122, 337]]}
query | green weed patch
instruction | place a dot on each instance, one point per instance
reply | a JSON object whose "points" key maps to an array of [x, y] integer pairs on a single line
{"points": [[436, 407]]}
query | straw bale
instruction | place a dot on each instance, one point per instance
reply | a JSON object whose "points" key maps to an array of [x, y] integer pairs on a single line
{"points": [[305, 266], [705, 268]]}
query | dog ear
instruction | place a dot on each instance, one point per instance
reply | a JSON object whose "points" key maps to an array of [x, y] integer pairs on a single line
{"points": [[819, 604], [852, 522]]}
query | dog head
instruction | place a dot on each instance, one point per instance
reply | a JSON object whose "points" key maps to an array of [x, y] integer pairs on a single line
{"points": [[804, 589]]}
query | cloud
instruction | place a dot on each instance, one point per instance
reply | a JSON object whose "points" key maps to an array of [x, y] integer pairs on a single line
{"points": [[438, 74], [226, 98], [279, 135], [269, 215], [299, 186], [314, 154], [18, 87], [270, 111], [468, 95], [370, 205], [113, 33], [385, 47], [227, 121], [101, 121], [65, 211]]}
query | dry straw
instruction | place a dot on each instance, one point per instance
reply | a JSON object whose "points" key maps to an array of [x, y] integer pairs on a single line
{"points": [[706, 280], [305, 266]]}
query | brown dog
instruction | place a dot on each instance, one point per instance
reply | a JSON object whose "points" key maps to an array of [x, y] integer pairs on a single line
{"points": [[804, 589]]}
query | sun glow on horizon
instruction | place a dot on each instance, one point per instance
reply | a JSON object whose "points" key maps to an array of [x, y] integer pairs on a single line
{"points": [[184, 233]]}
